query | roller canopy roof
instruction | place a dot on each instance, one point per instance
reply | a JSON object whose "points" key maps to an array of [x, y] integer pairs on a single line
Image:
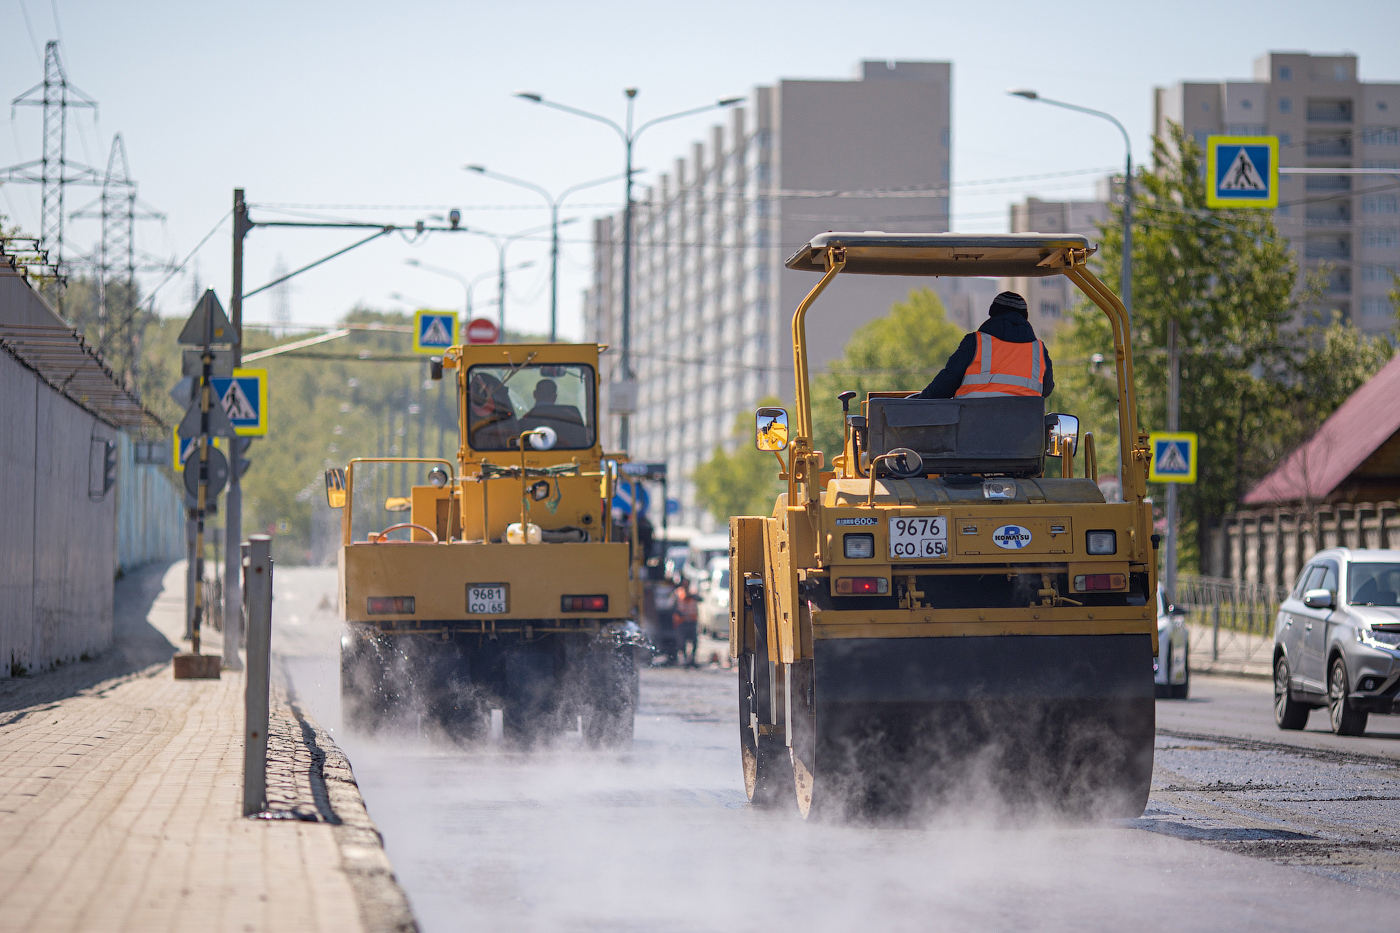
{"points": [[989, 254]]}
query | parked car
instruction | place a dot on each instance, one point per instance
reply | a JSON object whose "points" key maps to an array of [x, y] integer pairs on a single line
{"points": [[1171, 669], [1337, 640], [714, 604], [703, 550]]}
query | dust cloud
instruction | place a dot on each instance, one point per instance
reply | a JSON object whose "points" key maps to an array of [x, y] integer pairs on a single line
{"points": [[660, 836]]}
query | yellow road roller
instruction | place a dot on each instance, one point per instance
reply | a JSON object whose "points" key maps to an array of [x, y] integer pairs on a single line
{"points": [[928, 619], [495, 581]]}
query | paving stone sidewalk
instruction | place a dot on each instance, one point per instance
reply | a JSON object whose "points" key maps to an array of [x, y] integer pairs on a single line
{"points": [[121, 790]]}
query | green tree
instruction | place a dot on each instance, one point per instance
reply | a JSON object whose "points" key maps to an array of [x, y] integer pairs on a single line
{"points": [[742, 483], [1252, 384], [902, 350]]}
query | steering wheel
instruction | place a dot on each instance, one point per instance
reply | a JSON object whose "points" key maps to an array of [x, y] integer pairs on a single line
{"points": [[383, 536]]}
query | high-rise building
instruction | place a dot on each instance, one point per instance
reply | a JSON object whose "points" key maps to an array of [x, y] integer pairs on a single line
{"points": [[711, 299], [1325, 117], [1050, 298]]}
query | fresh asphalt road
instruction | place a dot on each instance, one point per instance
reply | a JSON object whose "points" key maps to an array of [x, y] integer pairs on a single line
{"points": [[1248, 827]]}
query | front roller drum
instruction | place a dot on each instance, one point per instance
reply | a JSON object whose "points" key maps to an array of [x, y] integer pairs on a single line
{"points": [[885, 727], [767, 765]]}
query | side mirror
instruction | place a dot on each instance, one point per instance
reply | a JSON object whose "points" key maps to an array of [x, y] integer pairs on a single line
{"points": [[397, 504], [771, 429], [903, 462], [335, 488], [1063, 435], [1318, 599]]}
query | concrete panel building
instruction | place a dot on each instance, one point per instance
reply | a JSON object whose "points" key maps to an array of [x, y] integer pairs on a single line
{"points": [[1324, 117], [1050, 298], [712, 301]]}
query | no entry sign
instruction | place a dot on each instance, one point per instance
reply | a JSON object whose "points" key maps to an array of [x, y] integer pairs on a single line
{"points": [[480, 330]]}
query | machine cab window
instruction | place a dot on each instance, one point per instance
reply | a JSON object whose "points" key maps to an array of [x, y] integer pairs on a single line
{"points": [[505, 401]]}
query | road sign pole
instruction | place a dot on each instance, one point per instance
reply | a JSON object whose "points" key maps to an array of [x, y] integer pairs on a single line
{"points": [[233, 500], [1173, 412]]}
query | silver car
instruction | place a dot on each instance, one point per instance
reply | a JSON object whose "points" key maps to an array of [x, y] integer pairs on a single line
{"points": [[1171, 669], [1337, 640]]}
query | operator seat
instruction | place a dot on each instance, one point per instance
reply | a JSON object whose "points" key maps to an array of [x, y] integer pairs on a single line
{"points": [[1001, 434]]}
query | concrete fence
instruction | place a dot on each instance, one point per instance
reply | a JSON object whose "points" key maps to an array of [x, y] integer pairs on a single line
{"points": [[1267, 547]]}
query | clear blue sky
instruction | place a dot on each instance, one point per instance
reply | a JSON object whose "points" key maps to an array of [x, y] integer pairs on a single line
{"points": [[382, 103]]}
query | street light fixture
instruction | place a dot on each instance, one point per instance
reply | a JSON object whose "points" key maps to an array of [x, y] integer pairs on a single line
{"points": [[554, 205], [1126, 288], [629, 138]]}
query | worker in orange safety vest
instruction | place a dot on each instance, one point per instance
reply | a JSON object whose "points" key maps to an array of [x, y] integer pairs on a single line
{"points": [[1004, 357]]}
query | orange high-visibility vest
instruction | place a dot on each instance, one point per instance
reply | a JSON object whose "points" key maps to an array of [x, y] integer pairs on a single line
{"points": [[1003, 368]]}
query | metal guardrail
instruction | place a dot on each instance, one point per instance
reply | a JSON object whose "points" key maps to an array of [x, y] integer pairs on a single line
{"points": [[1229, 621]]}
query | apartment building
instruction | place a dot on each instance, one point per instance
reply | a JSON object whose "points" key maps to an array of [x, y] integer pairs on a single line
{"points": [[711, 299], [1050, 298], [1325, 117]]}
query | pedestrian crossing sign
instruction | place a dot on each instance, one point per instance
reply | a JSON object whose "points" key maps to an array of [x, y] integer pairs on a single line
{"points": [[434, 331], [244, 397], [1173, 457], [1242, 171]]}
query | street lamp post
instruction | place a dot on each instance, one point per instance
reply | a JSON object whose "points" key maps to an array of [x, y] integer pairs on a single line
{"points": [[1126, 288], [447, 272], [469, 286], [629, 138], [502, 243], [554, 205]]}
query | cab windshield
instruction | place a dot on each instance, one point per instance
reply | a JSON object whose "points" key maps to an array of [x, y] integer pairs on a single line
{"points": [[1373, 584], [504, 401]]}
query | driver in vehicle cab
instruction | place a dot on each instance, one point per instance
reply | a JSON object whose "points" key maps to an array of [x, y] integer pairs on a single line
{"points": [[1004, 357], [566, 420], [491, 417]]}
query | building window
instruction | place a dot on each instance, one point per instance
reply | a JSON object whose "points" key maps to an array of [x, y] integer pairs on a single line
{"points": [[945, 136], [1339, 72], [1377, 308], [1200, 137], [1245, 129], [1285, 105], [1285, 139], [1380, 204], [1285, 73], [1049, 309], [947, 172], [1381, 163], [1376, 272], [1381, 238], [1382, 105], [1247, 104], [1381, 136]]}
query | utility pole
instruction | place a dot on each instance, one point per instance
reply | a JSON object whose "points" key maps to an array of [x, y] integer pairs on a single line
{"points": [[1173, 412], [233, 500]]}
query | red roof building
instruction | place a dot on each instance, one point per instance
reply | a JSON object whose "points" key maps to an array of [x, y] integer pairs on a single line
{"points": [[1353, 457]]}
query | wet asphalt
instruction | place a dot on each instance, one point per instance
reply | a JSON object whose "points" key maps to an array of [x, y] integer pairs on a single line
{"points": [[1247, 826]]}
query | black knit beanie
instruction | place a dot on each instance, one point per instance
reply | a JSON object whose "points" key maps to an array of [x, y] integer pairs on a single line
{"points": [[1009, 301]]}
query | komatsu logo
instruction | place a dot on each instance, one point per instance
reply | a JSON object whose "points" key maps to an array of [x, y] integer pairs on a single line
{"points": [[1011, 537]]}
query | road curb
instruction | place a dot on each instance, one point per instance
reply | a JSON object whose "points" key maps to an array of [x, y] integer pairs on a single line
{"points": [[382, 903]]}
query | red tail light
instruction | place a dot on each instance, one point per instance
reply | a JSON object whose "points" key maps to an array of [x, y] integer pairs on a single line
{"points": [[1085, 582], [390, 605], [862, 586], [583, 603]]}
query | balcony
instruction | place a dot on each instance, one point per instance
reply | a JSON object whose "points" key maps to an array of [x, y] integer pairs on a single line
{"points": [[1330, 111], [1327, 247], [1329, 147]]}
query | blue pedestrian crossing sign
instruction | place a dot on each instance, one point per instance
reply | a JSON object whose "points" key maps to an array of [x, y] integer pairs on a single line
{"points": [[434, 331], [1242, 171], [244, 398], [1173, 457]]}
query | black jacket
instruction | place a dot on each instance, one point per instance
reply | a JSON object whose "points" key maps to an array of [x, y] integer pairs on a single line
{"points": [[1010, 327]]}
